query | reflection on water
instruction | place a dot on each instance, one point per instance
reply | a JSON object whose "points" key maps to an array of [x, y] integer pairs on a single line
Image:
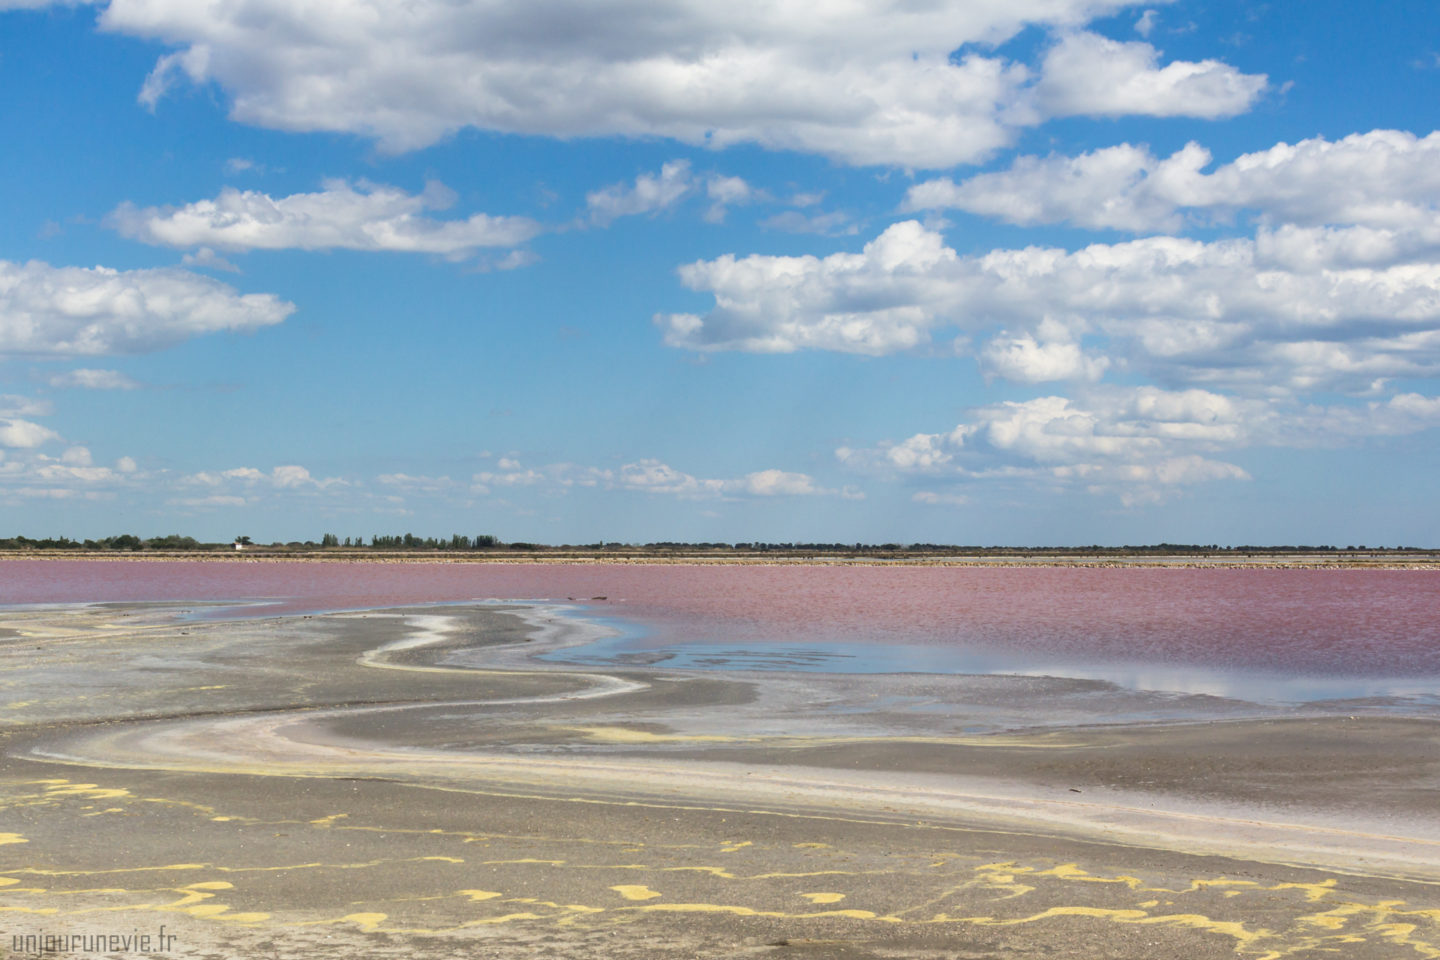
{"points": [[633, 649], [1261, 634]]}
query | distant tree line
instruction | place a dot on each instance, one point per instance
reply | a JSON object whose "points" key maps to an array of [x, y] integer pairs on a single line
{"points": [[124, 541], [410, 541], [461, 542]]}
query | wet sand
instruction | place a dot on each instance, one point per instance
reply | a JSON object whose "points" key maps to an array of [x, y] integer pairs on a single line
{"points": [[415, 783]]}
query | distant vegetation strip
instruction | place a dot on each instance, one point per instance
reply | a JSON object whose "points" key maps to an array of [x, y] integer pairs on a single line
{"points": [[486, 544]]}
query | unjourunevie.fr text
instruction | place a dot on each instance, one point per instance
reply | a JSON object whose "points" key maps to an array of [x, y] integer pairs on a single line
{"points": [[42, 944]]}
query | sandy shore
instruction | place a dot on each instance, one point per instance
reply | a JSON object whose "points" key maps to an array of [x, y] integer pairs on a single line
{"points": [[415, 783]]}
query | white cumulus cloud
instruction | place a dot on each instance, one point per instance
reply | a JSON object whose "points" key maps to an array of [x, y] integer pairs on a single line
{"points": [[362, 216], [1027, 360], [1136, 443], [650, 193], [869, 82], [74, 311], [1384, 181], [15, 432], [284, 477], [649, 475], [1087, 74], [1178, 309]]}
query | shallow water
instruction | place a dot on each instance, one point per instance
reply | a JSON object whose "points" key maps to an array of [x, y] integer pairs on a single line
{"points": [[1277, 635]]}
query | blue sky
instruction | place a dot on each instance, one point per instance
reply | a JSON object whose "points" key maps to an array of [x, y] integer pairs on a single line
{"points": [[1033, 272]]}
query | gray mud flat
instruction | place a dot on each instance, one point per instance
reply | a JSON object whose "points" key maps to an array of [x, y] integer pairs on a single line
{"points": [[415, 783]]}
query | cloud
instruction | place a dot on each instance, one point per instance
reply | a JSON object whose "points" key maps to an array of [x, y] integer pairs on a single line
{"points": [[1106, 446], [934, 498], [73, 474], [1086, 74], [1385, 180], [1140, 444], [826, 224], [1056, 356], [1113, 188], [650, 193], [285, 477], [726, 191], [15, 432], [291, 477], [1176, 309], [41, 4], [420, 484], [553, 478], [73, 311], [651, 476], [774, 483], [676, 182], [872, 83], [208, 259], [218, 500], [13, 405], [373, 217], [93, 380], [876, 302]]}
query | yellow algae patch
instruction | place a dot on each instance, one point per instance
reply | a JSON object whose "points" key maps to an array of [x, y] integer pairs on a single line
{"points": [[192, 903], [207, 910], [197, 893], [90, 791], [1072, 871], [724, 874], [1236, 930], [328, 821], [11, 838], [823, 897], [632, 891], [739, 911], [92, 873], [992, 740], [367, 922], [478, 895], [732, 845], [488, 921], [1332, 920], [8, 881], [626, 735]]}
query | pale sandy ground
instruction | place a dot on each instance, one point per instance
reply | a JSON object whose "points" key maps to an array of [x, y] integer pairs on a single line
{"points": [[414, 783]]}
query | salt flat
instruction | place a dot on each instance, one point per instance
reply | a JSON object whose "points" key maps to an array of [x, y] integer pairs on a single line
{"points": [[414, 781]]}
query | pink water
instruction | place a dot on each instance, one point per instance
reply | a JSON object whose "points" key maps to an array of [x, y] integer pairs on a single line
{"points": [[1356, 623]]}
